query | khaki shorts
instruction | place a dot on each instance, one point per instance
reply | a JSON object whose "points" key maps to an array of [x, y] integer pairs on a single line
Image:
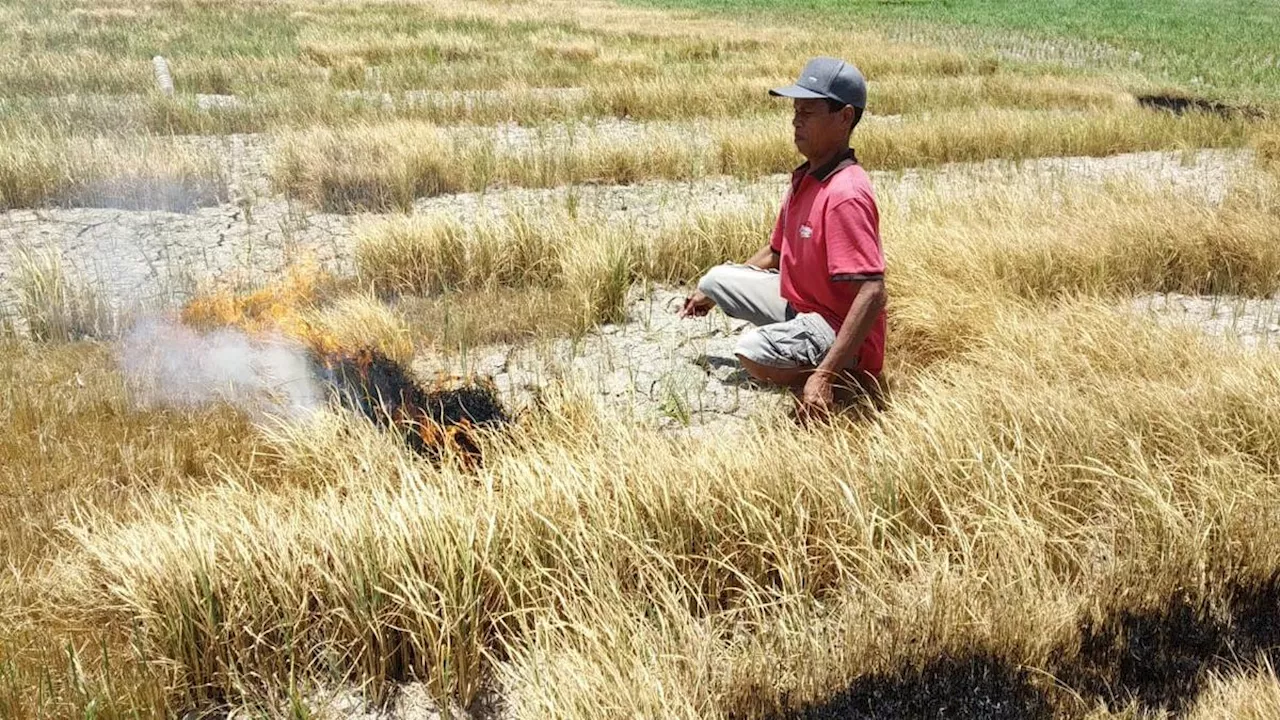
{"points": [[783, 338]]}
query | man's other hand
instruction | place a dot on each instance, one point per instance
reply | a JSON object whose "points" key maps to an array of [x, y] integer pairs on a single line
{"points": [[696, 305], [817, 396]]}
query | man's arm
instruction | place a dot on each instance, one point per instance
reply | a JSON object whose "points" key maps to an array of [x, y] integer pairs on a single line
{"points": [[854, 256], [819, 389], [869, 299], [765, 258], [699, 304]]}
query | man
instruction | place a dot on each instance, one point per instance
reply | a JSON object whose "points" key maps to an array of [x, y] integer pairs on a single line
{"points": [[816, 291]]}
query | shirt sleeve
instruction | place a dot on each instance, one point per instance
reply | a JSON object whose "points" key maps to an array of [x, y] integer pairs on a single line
{"points": [[852, 229], [775, 240]]}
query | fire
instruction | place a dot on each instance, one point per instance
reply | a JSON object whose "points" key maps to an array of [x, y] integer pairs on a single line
{"points": [[277, 308], [363, 378]]}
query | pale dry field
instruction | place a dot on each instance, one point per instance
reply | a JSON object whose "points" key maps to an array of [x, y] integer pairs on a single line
{"points": [[1063, 507]]}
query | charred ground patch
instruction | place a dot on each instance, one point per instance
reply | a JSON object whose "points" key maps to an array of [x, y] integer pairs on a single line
{"points": [[1159, 657], [1181, 104], [428, 419], [979, 685]]}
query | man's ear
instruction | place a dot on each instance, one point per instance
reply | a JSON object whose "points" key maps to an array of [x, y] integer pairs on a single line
{"points": [[846, 115]]}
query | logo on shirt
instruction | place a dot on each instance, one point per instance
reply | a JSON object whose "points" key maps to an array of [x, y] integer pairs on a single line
{"points": [[806, 232]]}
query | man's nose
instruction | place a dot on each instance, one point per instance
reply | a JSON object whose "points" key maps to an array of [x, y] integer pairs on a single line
{"points": [[795, 121]]}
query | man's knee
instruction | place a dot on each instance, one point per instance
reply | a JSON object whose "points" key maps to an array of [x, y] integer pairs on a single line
{"points": [[796, 343], [713, 283], [765, 359]]}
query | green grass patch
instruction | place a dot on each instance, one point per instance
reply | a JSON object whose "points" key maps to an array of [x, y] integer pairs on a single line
{"points": [[1223, 48]]}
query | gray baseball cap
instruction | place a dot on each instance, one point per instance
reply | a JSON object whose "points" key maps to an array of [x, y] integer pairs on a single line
{"points": [[824, 77]]}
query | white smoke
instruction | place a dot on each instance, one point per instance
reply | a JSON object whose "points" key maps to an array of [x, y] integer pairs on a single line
{"points": [[167, 363]]}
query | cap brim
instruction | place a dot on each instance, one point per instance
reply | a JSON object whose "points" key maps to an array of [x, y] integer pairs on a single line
{"points": [[795, 91]]}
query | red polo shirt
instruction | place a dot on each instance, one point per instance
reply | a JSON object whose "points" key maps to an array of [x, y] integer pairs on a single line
{"points": [[828, 239]]}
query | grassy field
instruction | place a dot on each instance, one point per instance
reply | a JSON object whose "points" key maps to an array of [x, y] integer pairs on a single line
{"points": [[1224, 48], [1061, 508]]}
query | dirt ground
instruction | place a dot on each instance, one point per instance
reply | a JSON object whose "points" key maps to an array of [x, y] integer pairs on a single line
{"points": [[653, 367], [148, 259]]}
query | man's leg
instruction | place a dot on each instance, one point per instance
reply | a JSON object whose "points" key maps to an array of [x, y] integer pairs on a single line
{"points": [[746, 293], [788, 377], [850, 385], [786, 347], [786, 353], [781, 351]]}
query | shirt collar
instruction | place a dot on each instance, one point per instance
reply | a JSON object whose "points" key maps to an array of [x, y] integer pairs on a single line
{"points": [[838, 163]]}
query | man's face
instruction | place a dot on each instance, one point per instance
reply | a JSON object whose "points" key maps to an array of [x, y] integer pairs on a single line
{"points": [[818, 130]]}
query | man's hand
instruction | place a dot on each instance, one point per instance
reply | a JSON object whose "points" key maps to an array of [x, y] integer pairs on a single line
{"points": [[696, 305], [817, 396]]}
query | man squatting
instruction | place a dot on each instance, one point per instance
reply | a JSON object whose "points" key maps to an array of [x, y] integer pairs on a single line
{"points": [[816, 292]]}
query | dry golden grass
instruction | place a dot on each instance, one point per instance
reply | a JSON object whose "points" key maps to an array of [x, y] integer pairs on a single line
{"points": [[324, 107], [73, 434], [1252, 697], [579, 272], [343, 182], [127, 172], [387, 166], [362, 321], [455, 322], [54, 306], [522, 276], [74, 440], [1108, 240], [998, 488], [903, 95], [682, 252], [430, 254], [1046, 463]]}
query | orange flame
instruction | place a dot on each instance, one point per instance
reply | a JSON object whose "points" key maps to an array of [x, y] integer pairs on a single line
{"points": [[274, 308]]}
